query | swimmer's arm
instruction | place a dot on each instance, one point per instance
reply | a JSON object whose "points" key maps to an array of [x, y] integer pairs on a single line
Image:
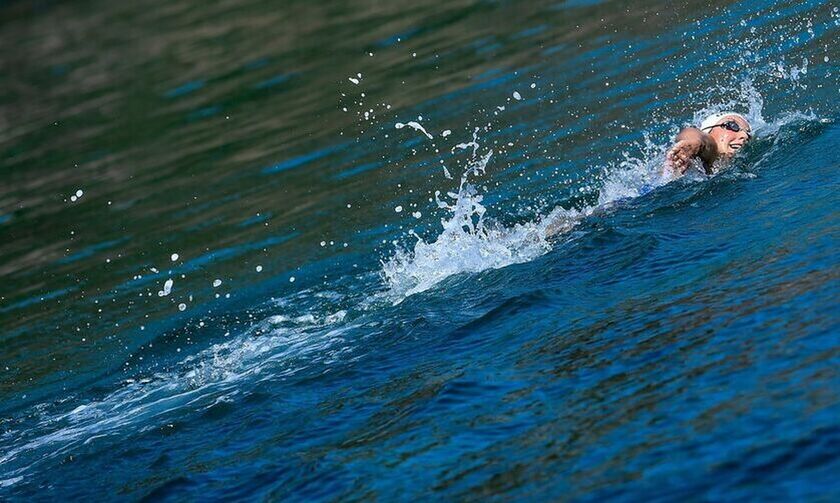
{"points": [[691, 143]]}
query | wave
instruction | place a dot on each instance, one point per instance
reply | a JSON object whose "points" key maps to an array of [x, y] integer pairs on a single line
{"points": [[276, 347]]}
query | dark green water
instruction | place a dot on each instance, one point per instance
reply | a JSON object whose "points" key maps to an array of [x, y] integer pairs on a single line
{"points": [[232, 134]]}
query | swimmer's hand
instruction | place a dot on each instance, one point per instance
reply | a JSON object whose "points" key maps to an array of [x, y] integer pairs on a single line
{"points": [[681, 154], [690, 144]]}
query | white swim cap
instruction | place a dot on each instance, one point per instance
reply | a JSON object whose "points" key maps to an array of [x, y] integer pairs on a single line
{"points": [[714, 119]]}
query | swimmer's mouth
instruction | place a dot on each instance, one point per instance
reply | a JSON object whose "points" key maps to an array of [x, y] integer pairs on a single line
{"points": [[736, 146]]}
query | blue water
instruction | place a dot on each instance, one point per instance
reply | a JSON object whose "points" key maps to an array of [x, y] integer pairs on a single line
{"points": [[522, 308]]}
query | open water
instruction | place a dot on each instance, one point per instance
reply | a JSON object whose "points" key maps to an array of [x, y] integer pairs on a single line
{"points": [[297, 251]]}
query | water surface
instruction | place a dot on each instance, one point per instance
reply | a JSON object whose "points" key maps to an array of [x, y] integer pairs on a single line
{"points": [[299, 251]]}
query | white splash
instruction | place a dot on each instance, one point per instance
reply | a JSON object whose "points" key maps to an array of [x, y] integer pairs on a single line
{"points": [[468, 243], [416, 126], [633, 176], [167, 288]]}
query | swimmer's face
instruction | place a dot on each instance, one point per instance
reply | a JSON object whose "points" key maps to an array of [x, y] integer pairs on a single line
{"points": [[728, 141]]}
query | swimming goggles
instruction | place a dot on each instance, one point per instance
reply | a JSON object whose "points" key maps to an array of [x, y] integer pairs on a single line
{"points": [[731, 126]]}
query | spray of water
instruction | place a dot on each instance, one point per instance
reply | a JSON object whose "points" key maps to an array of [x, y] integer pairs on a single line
{"points": [[470, 242]]}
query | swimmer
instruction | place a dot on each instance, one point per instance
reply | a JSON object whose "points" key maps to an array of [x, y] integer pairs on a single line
{"points": [[719, 137]]}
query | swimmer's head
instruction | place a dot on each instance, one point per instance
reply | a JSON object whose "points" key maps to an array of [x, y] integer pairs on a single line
{"points": [[730, 131]]}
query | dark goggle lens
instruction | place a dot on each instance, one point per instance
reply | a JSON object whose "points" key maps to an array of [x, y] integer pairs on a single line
{"points": [[734, 127]]}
